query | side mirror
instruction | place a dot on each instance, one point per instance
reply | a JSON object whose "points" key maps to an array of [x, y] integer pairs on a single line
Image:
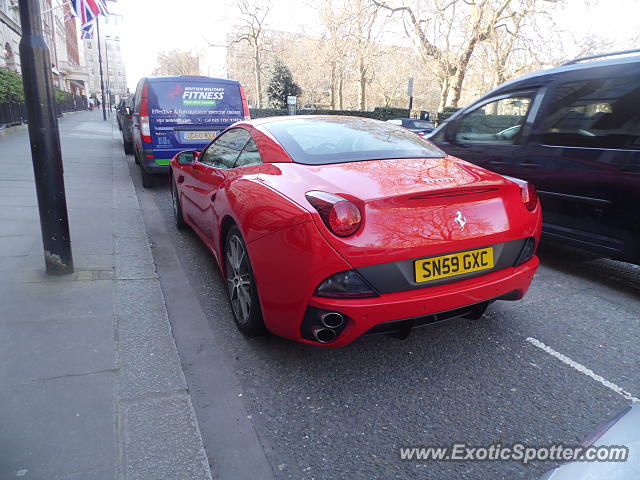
{"points": [[188, 157]]}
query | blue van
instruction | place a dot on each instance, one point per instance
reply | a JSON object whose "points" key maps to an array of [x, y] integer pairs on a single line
{"points": [[172, 114]]}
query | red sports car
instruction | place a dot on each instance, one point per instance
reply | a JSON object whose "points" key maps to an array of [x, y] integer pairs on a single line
{"points": [[327, 228]]}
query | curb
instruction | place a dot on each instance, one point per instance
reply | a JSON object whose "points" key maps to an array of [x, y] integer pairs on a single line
{"points": [[232, 444], [157, 433]]}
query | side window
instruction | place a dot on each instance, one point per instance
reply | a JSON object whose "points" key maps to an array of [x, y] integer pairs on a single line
{"points": [[224, 150], [497, 122], [600, 113], [249, 155]]}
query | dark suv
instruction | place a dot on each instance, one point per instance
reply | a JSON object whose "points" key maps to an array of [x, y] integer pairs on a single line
{"points": [[125, 117], [574, 132]]}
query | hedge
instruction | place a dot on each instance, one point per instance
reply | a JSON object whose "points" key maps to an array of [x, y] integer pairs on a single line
{"points": [[10, 87], [379, 113], [446, 113]]}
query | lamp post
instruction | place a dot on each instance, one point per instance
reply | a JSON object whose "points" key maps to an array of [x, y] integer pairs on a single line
{"points": [[44, 138], [104, 108]]}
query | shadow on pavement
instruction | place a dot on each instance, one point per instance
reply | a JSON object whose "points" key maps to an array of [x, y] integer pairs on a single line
{"points": [[591, 266]]}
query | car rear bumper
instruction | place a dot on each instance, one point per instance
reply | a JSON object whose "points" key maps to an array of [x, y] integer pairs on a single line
{"points": [[363, 315], [152, 164]]}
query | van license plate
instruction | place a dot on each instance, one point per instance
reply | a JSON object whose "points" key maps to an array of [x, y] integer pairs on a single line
{"points": [[209, 135], [453, 264]]}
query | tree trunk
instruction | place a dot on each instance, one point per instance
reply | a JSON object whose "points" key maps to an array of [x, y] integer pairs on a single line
{"points": [[256, 65], [363, 84], [444, 93], [461, 71], [340, 84], [333, 85]]}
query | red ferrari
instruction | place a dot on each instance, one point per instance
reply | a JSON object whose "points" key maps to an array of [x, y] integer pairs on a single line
{"points": [[328, 228]]}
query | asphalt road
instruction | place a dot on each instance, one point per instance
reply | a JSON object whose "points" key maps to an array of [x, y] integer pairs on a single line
{"points": [[344, 413]]}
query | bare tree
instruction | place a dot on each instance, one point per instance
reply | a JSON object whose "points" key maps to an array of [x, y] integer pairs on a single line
{"points": [[362, 17], [333, 18], [253, 14], [177, 62], [460, 26]]}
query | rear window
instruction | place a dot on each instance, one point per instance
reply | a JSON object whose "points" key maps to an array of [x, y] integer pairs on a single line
{"points": [[195, 102], [320, 141]]}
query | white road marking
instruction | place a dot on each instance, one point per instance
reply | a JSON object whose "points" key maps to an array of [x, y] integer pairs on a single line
{"points": [[582, 369]]}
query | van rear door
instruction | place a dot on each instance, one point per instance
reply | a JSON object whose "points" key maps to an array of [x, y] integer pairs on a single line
{"points": [[187, 114]]}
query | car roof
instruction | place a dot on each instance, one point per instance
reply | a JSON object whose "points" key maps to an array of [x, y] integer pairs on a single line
{"points": [[541, 75], [194, 78]]}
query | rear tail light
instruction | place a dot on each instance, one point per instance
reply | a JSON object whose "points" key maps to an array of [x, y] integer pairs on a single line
{"points": [[341, 216], [245, 106], [530, 197], [145, 129], [347, 284], [528, 192]]}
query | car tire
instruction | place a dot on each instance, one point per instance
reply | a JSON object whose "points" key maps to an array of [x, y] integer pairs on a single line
{"points": [[147, 179], [177, 207], [245, 304], [128, 147]]}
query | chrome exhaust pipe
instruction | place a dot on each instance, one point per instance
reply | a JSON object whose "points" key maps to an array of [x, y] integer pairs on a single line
{"points": [[332, 320], [323, 335]]}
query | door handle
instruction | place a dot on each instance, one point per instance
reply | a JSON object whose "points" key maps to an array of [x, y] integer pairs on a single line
{"points": [[529, 165], [496, 162]]}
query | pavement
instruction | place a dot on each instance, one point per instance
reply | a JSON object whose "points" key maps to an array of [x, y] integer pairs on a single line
{"points": [[91, 382]]}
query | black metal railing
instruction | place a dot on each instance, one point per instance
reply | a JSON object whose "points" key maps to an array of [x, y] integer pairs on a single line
{"points": [[16, 113]]}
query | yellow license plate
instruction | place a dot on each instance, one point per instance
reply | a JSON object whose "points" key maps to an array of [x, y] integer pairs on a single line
{"points": [[453, 264], [201, 135]]}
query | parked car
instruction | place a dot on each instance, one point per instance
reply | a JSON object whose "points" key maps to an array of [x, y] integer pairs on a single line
{"points": [[621, 431], [171, 114], [574, 132], [125, 114], [327, 228], [119, 110], [421, 127]]}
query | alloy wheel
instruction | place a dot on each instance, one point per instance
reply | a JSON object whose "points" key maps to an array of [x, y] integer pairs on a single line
{"points": [[238, 279]]}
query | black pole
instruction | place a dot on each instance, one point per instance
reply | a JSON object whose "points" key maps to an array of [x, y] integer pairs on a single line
{"points": [[44, 138], [104, 108], [106, 57]]}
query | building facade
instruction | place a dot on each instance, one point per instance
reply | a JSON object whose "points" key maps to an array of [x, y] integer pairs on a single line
{"points": [[60, 30], [10, 34], [113, 70]]}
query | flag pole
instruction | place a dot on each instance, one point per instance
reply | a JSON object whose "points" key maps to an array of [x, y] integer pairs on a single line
{"points": [[44, 12], [104, 108]]}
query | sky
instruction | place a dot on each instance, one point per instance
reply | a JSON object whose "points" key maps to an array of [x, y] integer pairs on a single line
{"points": [[151, 26]]}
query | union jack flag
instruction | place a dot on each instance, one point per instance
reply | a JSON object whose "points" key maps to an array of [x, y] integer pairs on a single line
{"points": [[88, 10], [86, 32]]}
